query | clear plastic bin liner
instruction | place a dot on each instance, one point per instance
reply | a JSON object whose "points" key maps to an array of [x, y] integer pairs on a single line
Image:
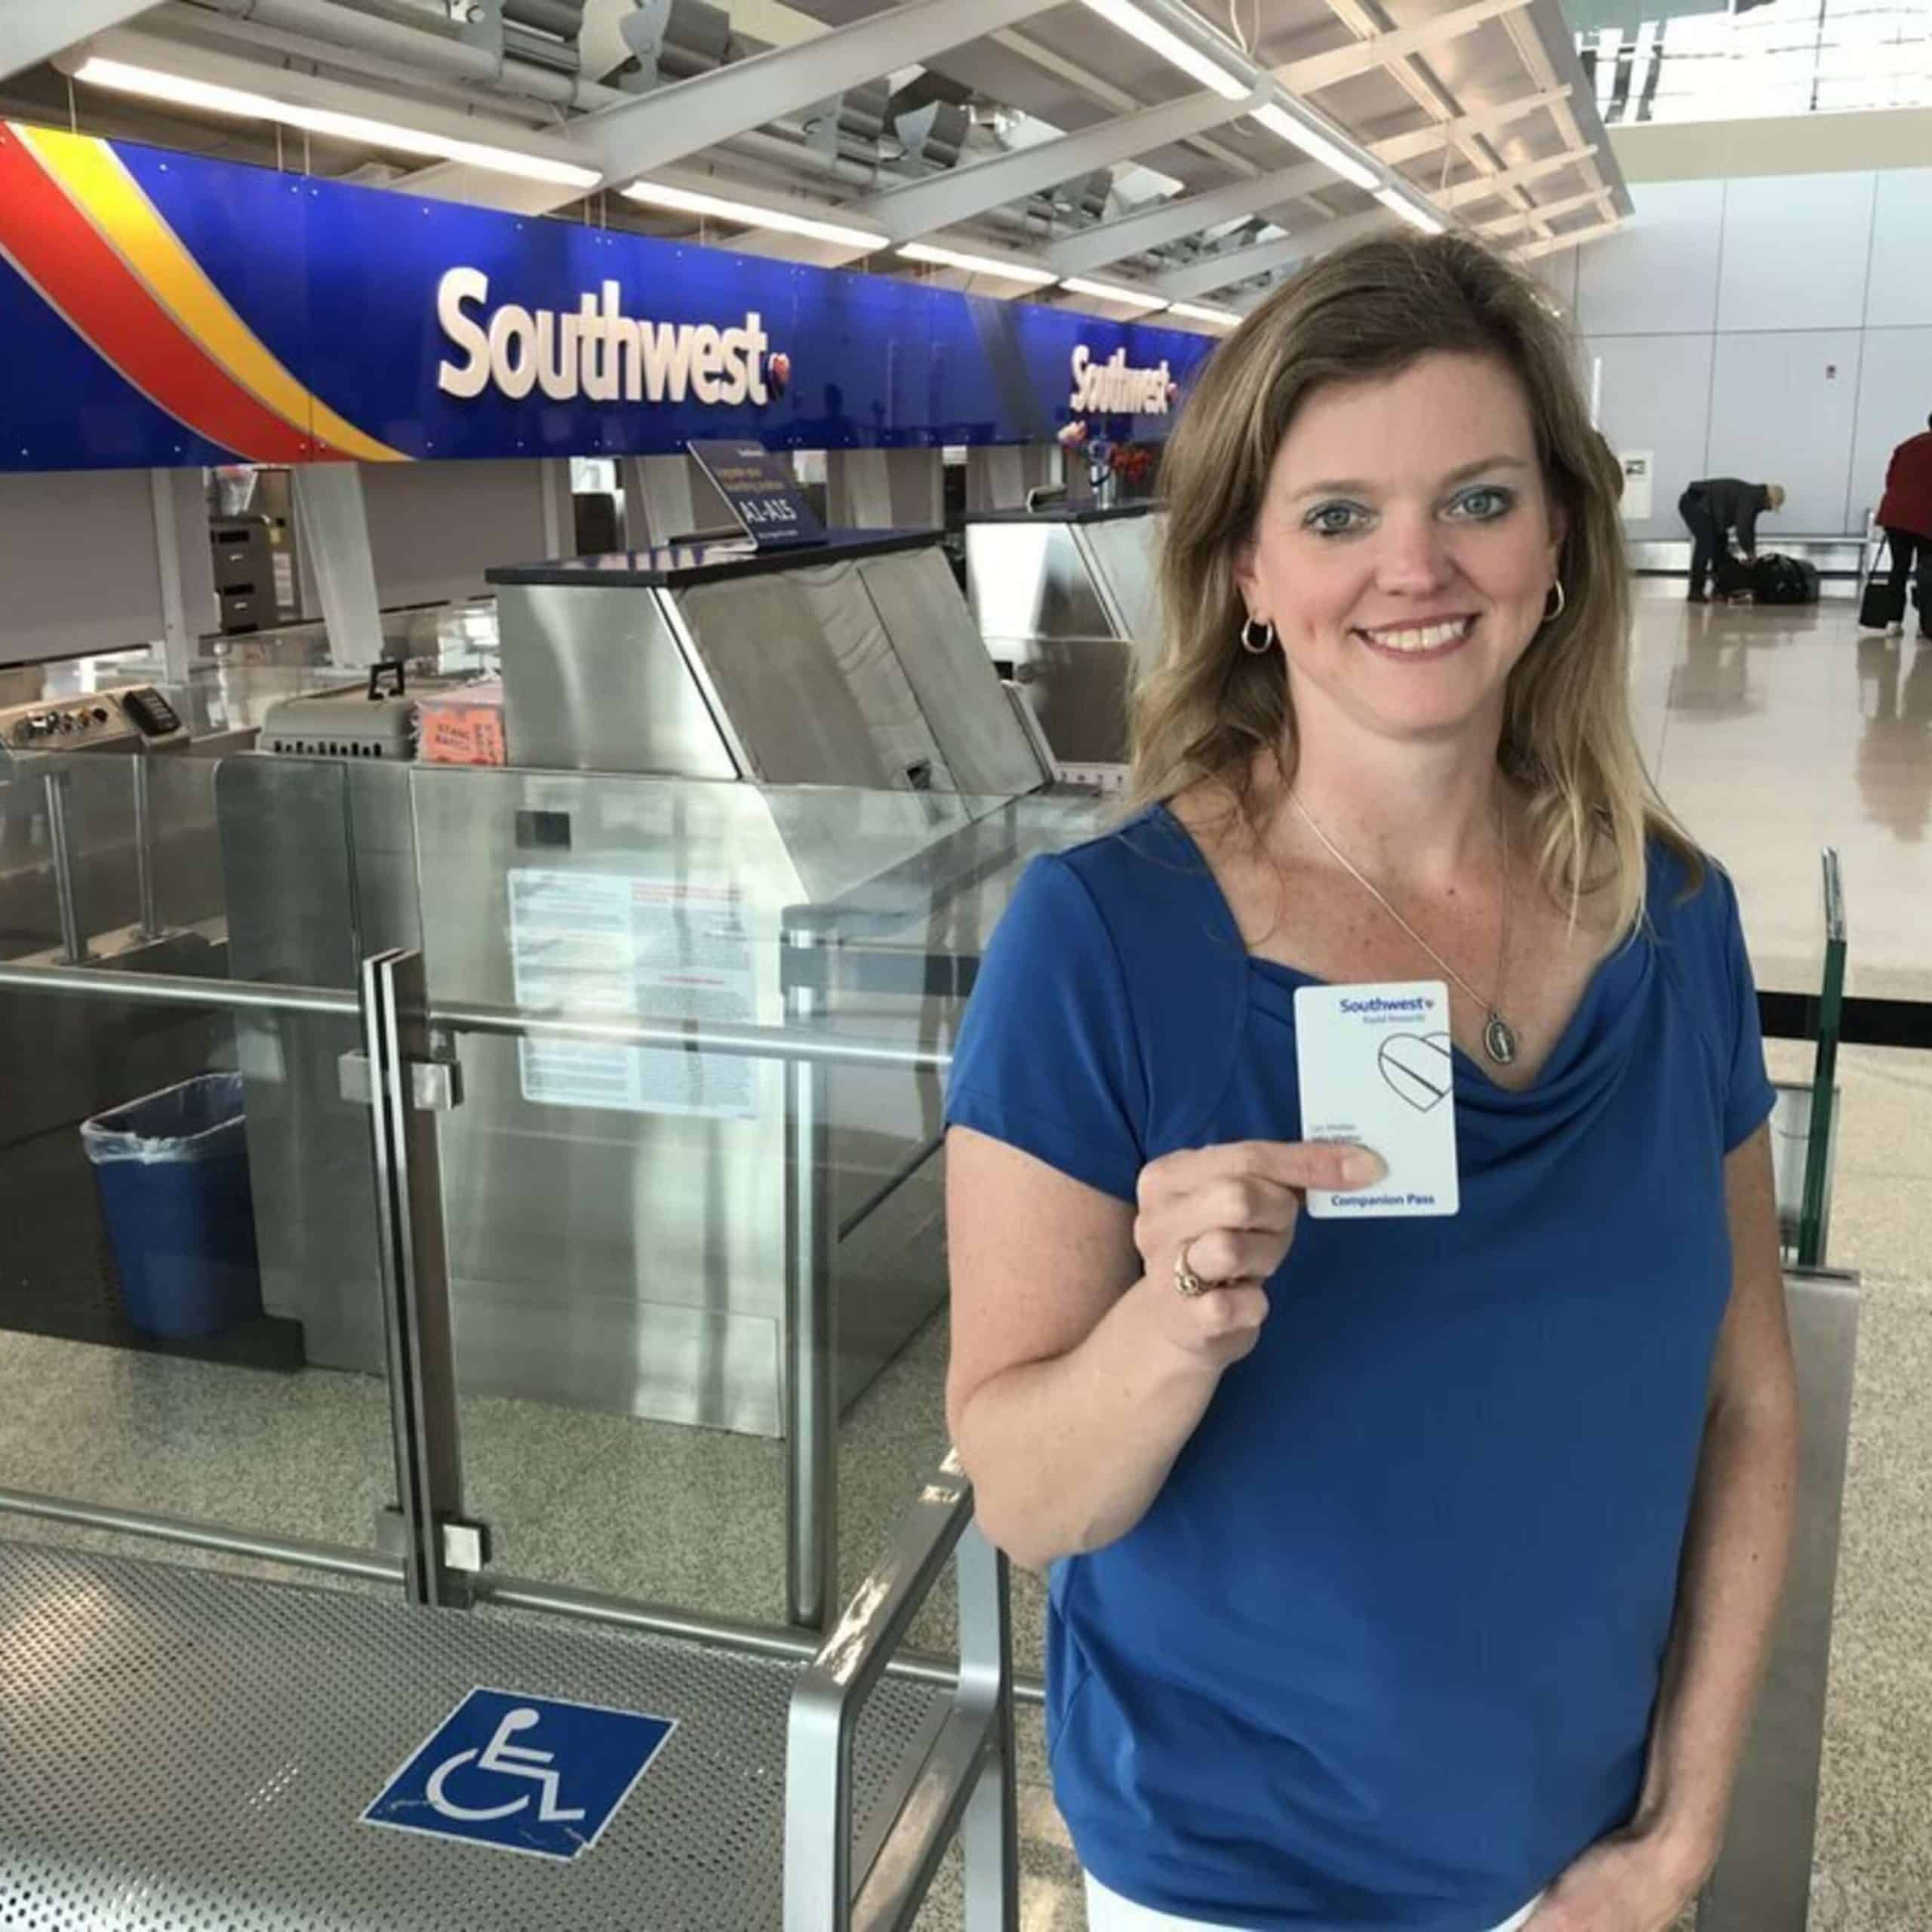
{"points": [[172, 1170], [197, 1121]]}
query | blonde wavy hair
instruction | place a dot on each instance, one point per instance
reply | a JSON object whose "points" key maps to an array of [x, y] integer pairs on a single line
{"points": [[1207, 708]]}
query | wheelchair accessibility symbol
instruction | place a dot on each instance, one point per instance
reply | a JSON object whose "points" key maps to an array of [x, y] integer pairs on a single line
{"points": [[528, 1774], [513, 1761]]}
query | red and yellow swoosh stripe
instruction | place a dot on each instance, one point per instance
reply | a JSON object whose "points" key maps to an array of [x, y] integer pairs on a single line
{"points": [[77, 225]]}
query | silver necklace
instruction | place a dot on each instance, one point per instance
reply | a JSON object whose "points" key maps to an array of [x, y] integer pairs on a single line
{"points": [[1499, 1037]]}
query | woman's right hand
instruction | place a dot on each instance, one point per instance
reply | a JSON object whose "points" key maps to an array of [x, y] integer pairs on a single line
{"points": [[1233, 1207]]}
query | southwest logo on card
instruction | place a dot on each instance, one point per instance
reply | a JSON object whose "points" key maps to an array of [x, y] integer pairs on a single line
{"points": [[1377, 1067]]}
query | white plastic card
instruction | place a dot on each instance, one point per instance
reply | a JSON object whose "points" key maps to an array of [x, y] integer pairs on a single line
{"points": [[1377, 1068]]}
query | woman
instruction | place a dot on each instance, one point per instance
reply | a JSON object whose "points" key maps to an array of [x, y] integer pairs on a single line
{"points": [[1411, 1573]]}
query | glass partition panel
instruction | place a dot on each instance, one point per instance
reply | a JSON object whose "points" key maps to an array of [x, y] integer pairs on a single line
{"points": [[172, 1276], [616, 1214]]}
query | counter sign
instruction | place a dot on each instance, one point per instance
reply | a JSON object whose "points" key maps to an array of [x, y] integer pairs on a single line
{"points": [[760, 491]]}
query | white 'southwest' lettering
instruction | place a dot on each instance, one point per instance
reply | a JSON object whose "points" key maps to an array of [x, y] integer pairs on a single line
{"points": [[1112, 388], [595, 350]]}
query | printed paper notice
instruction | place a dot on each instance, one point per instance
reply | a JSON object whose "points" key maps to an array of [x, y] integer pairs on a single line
{"points": [[592, 943], [1639, 469]]}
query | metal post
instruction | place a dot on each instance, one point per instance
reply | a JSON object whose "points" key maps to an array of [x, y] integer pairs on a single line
{"points": [[812, 1328], [416, 1292], [179, 642], [1825, 1070], [990, 1835], [73, 940], [333, 526], [149, 926]]}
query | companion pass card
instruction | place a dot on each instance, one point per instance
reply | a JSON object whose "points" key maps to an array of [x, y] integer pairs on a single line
{"points": [[1377, 1068]]}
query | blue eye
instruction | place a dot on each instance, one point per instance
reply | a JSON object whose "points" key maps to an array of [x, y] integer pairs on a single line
{"points": [[1335, 519], [1483, 504]]}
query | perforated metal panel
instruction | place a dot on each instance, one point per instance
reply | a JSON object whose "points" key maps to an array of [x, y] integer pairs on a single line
{"points": [[182, 1750]]}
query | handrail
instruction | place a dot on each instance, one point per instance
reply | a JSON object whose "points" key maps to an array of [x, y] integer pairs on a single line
{"points": [[297, 1552], [752, 1042], [1834, 890], [1825, 1065], [184, 989], [832, 1692]]}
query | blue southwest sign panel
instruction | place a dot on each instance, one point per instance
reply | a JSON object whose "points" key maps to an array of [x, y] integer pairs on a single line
{"points": [[160, 309]]}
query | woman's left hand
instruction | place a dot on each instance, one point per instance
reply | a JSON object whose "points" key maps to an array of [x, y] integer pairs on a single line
{"points": [[1634, 1880]]}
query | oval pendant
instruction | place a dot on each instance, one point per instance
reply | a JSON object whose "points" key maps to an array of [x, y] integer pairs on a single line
{"points": [[1498, 1040]]}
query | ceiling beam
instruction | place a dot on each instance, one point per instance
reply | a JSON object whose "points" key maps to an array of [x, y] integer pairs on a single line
{"points": [[1096, 87], [1526, 36], [1214, 271], [675, 122], [962, 193], [30, 34], [1575, 239], [1175, 220], [1545, 211], [1325, 70], [1366, 19], [295, 87], [1466, 194]]}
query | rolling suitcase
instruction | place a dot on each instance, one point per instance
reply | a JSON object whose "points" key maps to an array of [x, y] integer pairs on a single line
{"points": [[1880, 607]]}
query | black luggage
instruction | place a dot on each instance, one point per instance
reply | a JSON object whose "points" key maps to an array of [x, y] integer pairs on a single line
{"points": [[1777, 580], [1730, 574], [1882, 606]]}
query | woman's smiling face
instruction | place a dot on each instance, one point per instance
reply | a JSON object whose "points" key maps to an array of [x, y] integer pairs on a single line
{"points": [[1406, 546]]}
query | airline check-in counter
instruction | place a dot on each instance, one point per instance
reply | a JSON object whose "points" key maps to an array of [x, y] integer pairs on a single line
{"points": [[740, 787], [1066, 597]]}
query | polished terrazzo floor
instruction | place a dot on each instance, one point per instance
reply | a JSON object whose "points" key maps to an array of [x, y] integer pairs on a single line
{"points": [[1771, 734], [1774, 732]]}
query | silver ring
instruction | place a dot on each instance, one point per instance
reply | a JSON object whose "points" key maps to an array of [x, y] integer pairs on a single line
{"points": [[1190, 1284]]}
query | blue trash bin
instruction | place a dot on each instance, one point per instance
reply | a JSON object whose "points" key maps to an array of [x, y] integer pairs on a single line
{"points": [[173, 1173]]}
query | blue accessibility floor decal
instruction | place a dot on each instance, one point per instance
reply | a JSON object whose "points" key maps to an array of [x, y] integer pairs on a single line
{"points": [[527, 1774]]}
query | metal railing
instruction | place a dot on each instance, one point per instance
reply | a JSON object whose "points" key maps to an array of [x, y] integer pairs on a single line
{"points": [[1812, 1215]]}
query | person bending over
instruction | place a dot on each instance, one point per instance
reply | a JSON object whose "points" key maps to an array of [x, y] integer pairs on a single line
{"points": [[1716, 509]]}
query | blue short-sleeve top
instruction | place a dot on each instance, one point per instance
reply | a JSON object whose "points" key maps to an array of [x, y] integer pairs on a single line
{"points": [[1384, 1650]]}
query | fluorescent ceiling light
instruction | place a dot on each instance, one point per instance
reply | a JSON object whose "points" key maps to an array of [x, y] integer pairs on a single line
{"points": [[1413, 212], [183, 92], [1112, 291], [1315, 145], [689, 202], [1189, 59], [1203, 311], [951, 258]]}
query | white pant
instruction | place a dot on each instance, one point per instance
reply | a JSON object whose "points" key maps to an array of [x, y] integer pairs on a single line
{"points": [[1108, 1912]]}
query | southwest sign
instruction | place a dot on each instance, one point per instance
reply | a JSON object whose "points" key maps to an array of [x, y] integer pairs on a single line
{"points": [[162, 309]]}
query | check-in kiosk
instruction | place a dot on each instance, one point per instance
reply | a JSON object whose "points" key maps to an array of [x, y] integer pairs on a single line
{"points": [[854, 661], [1067, 595]]}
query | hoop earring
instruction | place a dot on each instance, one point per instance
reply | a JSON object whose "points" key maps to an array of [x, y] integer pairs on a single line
{"points": [[1248, 643], [1549, 616]]}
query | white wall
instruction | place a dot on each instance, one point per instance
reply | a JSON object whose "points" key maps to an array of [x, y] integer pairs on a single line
{"points": [[1777, 327], [80, 561], [436, 528]]}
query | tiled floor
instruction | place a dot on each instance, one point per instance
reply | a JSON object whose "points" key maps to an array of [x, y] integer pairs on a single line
{"points": [[1770, 734]]}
